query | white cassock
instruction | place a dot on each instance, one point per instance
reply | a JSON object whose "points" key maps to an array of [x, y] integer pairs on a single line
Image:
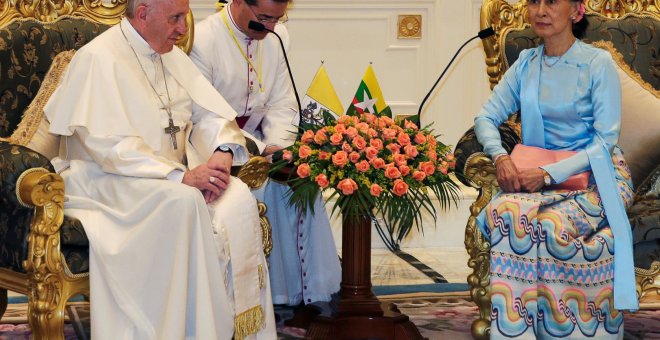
{"points": [[163, 263], [303, 264]]}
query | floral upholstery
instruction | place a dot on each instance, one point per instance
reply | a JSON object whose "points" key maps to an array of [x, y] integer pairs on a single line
{"points": [[27, 48], [645, 220], [14, 218]]}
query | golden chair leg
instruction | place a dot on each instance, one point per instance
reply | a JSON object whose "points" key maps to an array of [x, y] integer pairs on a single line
{"points": [[481, 172], [46, 311], [48, 288], [479, 280]]}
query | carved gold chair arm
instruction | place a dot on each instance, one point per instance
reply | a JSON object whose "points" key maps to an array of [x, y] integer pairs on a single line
{"points": [[50, 284], [648, 283], [254, 173], [266, 229]]}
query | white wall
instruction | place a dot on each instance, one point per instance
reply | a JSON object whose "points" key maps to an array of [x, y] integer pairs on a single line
{"points": [[348, 34]]}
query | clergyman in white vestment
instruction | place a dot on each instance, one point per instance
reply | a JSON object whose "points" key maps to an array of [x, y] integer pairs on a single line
{"points": [[169, 256], [248, 68]]}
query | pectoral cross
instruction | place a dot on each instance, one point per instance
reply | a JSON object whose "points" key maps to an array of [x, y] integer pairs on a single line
{"points": [[172, 130]]}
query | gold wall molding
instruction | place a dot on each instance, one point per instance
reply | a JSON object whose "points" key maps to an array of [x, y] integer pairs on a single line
{"points": [[410, 26]]}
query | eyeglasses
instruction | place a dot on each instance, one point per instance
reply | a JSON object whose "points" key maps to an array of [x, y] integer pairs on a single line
{"points": [[262, 18]]}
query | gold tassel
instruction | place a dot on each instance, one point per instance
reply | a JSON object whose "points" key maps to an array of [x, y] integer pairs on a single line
{"points": [[249, 322]]}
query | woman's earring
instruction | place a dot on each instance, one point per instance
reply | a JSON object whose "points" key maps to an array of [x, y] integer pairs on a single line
{"points": [[573, 17]]}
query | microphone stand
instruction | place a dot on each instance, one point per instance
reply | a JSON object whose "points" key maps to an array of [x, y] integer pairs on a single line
{"points": [[483, 34], [259, 27]]}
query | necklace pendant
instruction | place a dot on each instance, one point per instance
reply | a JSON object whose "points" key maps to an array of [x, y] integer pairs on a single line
{"points": [[171, 130]]}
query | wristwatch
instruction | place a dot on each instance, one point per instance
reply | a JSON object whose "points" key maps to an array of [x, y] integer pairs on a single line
{"points": [[225, 149], [547, 180]]}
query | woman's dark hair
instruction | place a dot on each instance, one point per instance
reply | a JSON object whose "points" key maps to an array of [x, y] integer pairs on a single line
{"points": [[580, 27]]}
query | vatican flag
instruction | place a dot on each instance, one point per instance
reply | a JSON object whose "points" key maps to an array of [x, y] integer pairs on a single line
{"points": [[320, 95], [368, 97]]}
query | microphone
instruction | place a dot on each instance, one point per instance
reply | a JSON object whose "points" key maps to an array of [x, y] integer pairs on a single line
{"points": [[259, 27], [483, 34]]}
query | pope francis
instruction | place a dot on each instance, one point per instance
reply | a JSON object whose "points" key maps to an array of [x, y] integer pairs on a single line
{"points": [[145, 155]]}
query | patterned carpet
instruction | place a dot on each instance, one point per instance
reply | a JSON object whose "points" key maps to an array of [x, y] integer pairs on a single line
{"points": [[438, 316]]}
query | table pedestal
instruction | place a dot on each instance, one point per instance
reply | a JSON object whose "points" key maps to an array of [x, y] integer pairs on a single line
{"points": [[360, 314]]}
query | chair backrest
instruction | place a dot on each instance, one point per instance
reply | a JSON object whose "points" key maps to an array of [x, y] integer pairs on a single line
{"points": [[629, 33], [29, 48], [33, 32], [632, 29]]}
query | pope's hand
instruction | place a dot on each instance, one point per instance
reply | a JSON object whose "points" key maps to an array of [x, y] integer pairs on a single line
{"points": [[211, 179]]}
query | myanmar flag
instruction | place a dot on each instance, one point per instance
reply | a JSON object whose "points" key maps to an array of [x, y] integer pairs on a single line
{"points": [[320, 95], [368, 97]]}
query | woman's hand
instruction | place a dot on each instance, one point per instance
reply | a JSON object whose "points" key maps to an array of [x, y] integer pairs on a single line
{"points": [[507, 174], [531, 180]]}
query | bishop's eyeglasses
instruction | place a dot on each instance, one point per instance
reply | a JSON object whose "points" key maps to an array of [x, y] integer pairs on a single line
{"points": [[267, 19]]}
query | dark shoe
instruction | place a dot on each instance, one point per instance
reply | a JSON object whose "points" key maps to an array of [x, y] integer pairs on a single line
{"points": [[303, 317]]}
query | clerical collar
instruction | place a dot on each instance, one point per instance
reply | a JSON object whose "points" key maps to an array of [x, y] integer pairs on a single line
{"points": [[135, 39], [247, 58], [239, 33]]}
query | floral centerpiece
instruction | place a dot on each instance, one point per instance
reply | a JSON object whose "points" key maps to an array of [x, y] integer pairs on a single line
{"points": [[375, 166]]}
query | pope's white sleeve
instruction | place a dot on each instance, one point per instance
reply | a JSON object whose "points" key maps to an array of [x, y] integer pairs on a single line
{"points": [[126, 156], [210, 130]]}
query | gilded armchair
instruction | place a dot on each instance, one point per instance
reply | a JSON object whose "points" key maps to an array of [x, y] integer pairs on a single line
{"points": [[44, 253], [628, 29]]}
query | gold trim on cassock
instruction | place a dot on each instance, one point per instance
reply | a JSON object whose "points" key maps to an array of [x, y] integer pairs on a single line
{"points": [[249, 322]]}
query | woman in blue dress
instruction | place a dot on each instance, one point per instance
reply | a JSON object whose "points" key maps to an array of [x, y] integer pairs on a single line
{"points": [[554, 272]]}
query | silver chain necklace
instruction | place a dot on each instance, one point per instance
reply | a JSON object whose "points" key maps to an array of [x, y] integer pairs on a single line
{"points": [[171, 129], [545, 57], [545, 61]]}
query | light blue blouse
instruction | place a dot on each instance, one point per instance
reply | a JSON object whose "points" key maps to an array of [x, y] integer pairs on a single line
{"points": [[573, 104]]}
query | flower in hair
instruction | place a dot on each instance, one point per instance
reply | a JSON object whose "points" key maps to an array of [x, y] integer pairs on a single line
{"points": [[580, 13]]}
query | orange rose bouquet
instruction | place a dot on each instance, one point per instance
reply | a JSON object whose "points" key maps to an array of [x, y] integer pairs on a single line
{"points": [[374, 165]]}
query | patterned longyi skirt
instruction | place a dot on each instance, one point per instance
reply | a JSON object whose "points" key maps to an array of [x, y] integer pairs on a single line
{"points": [[552, 265]]}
